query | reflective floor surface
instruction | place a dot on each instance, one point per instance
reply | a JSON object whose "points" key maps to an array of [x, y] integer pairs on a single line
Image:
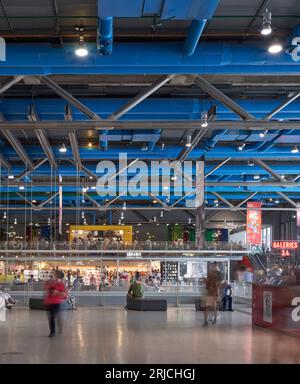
{"points": [[112, 335]]}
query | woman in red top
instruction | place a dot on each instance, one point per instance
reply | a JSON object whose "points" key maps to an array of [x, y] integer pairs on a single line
{"points": [[55, 292]]}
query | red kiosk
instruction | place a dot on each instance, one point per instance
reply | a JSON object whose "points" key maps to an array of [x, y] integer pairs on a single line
{"points": [[276, 302]]}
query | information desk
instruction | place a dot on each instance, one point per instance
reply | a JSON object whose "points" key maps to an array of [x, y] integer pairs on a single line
{"points": [[276, 308]]}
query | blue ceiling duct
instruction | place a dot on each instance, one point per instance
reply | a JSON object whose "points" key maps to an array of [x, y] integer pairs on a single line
{"points": [[197, 10], [210, 143], [193, 36], [105, 36]]}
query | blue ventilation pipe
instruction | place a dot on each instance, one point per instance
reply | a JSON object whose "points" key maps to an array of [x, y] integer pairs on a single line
{"points": [[265, 145], [209, 144], [105, 36], [151, 144], [193, 37]]}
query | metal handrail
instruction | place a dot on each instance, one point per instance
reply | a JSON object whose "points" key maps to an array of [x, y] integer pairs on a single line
{"points": [[130, 246]]}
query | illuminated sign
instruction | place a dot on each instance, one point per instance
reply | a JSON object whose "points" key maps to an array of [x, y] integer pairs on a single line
{"points": [[285, 244], [134, 255]]}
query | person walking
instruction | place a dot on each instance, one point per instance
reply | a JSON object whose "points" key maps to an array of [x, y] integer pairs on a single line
{"points": [[213, 282], [55, 292]]}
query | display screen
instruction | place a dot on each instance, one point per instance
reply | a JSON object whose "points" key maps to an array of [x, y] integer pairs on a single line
{"points": [[216, 234]]}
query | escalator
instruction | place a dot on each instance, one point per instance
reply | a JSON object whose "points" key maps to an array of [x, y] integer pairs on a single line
{"points": [[258, 258]]}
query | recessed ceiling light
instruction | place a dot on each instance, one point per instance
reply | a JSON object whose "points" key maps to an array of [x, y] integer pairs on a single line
{"points": [[11, 177], [256, 177], [81, 50], [263, 134], [275, 48], [241, 146], [188, 141], [21, 187], [63, 149], [266, 24], [295, 149], [204, 123]]}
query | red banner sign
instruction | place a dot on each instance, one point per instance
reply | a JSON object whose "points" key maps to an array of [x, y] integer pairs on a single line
{"points": [[285, 244], [253, 223]]}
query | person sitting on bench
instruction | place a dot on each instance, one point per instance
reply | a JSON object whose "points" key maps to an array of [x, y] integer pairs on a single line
{"points": [[136, 289]]}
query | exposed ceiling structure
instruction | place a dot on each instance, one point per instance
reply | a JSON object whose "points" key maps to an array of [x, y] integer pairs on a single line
{"points": [[144, 89]]}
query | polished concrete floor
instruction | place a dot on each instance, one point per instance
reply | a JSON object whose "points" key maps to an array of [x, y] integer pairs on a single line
{"points": [[112, 335]]}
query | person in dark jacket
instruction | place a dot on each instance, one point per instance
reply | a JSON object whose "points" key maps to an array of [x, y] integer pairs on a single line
{"points": [[227, 297]]}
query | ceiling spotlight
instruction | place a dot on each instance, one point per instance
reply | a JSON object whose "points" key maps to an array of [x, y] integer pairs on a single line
{"points": [[82, 214], [263, 134], [241, 146], [190, 220], [81, 50], [204, 123], [49, 221], [174, 178], [270, 199], [11, 177], [90, 144], [162, 146], [4, 215], [63, 149], [91, 177], [21, 187], [84, 189], [282, 176], [165, 188], [256, 177], [119, 222], [154, 201], [33, 201], [277, 201], [216, 201], [161, 214], [93, 188], [275, 47], [295, 149], [144, 147], [188, 141], [16, 221], [122, 215], [124, 205], [266, 25], [154, 219], [251, 163]]}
